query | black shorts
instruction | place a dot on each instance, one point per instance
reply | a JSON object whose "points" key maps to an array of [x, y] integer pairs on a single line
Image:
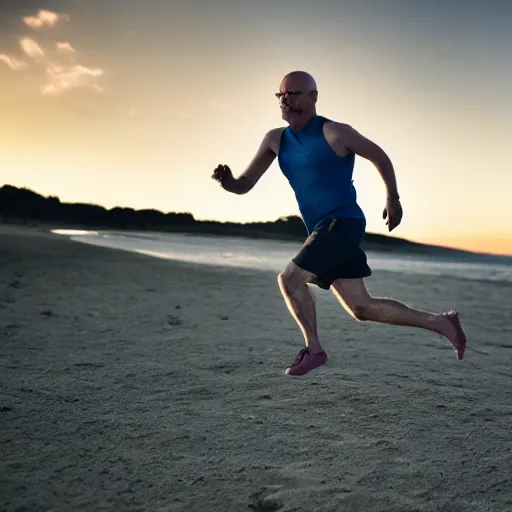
{"points": [[333, 252]]}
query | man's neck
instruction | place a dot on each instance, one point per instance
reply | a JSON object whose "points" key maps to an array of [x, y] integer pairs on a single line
{"points": [[299, 124]]}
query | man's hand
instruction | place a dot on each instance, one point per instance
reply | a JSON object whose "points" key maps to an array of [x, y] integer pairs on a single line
{"points": [[222, 174], [393, 212], [258, 166]]}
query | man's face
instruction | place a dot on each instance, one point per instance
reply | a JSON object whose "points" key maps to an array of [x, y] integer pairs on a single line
{"points": [[295, 100]]}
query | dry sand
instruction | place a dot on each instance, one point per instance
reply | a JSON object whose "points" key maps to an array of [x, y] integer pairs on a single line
{"points": [[131, 383]]}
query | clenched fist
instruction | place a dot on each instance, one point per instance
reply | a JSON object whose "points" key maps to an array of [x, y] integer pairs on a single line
{"points": [[222, 174], [393, 213]]}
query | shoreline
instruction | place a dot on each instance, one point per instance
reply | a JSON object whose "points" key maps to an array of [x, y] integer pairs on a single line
{"points": [[389, 245], [426, 275], [502, 272]]}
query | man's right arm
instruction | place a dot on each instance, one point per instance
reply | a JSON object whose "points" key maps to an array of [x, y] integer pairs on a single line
{"points": [[257, 167]]}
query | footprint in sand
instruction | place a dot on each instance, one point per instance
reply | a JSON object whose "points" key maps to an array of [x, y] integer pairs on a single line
{"points": [[262, 503]]}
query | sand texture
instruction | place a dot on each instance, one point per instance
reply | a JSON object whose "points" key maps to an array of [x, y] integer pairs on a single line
{"points": [[130, 383]]}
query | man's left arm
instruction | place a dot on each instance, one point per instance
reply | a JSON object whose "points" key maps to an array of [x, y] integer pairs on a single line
{"points": [[364, 147]]}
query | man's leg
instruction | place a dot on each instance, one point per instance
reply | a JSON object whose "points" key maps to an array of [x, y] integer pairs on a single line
{"points": [[301, 304], [354, 296]]}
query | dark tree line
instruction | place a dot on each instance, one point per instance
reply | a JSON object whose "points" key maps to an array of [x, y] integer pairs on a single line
{"points": [[24, 205]]}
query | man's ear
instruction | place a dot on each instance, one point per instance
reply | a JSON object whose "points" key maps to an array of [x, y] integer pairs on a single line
{"points": [[314, 96]]}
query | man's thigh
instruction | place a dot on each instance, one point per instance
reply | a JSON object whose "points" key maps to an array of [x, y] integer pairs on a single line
{"points": [[351, 292]]}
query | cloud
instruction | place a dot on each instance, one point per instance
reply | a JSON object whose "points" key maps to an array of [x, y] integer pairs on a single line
{"points": [[31, 48], [49, 89], [182, 114], [13, 63], [58, 72], [64, 48], [44, 17], [62, 78], [220, 106]]}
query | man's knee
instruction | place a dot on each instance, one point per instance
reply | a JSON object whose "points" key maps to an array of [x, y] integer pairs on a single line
{"points": [[291, 278], [286, 281], [361, 310], [355, 298]]}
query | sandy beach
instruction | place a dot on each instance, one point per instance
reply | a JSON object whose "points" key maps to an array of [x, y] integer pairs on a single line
{"points": [[130, 383]]}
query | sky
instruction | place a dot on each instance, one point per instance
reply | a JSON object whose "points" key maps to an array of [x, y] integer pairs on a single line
{"points": [[132, 103]]}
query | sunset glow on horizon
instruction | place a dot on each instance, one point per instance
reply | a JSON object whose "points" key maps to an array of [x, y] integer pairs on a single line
{"points": [[124, 103]]}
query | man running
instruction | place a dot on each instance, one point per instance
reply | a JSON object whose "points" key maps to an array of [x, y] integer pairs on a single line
{"points": [[317, 157]]}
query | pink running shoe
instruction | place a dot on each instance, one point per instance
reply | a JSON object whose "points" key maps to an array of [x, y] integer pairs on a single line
{"points": [[306, 361], [459, 343]]}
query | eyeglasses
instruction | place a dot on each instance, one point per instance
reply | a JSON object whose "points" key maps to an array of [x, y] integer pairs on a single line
{"points": [[279, 95]]}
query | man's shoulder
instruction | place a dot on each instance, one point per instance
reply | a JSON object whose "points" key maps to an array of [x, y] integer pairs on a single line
{"points": [[337, 132], [273, 138], [338, 135], [276, 132], [337, 126]]}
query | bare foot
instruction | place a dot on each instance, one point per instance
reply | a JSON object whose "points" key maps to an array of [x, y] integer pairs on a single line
{"points": [[449, 326]]}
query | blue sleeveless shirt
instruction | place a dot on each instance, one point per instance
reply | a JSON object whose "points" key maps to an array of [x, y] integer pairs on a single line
{"points": [[321, 180]]}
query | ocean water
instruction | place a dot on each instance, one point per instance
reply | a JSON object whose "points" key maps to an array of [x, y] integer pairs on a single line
{"points": [[274, 254]]}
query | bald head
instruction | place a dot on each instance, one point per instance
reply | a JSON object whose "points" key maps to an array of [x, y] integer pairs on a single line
{"points": [[300, 80], [298, 95]]}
